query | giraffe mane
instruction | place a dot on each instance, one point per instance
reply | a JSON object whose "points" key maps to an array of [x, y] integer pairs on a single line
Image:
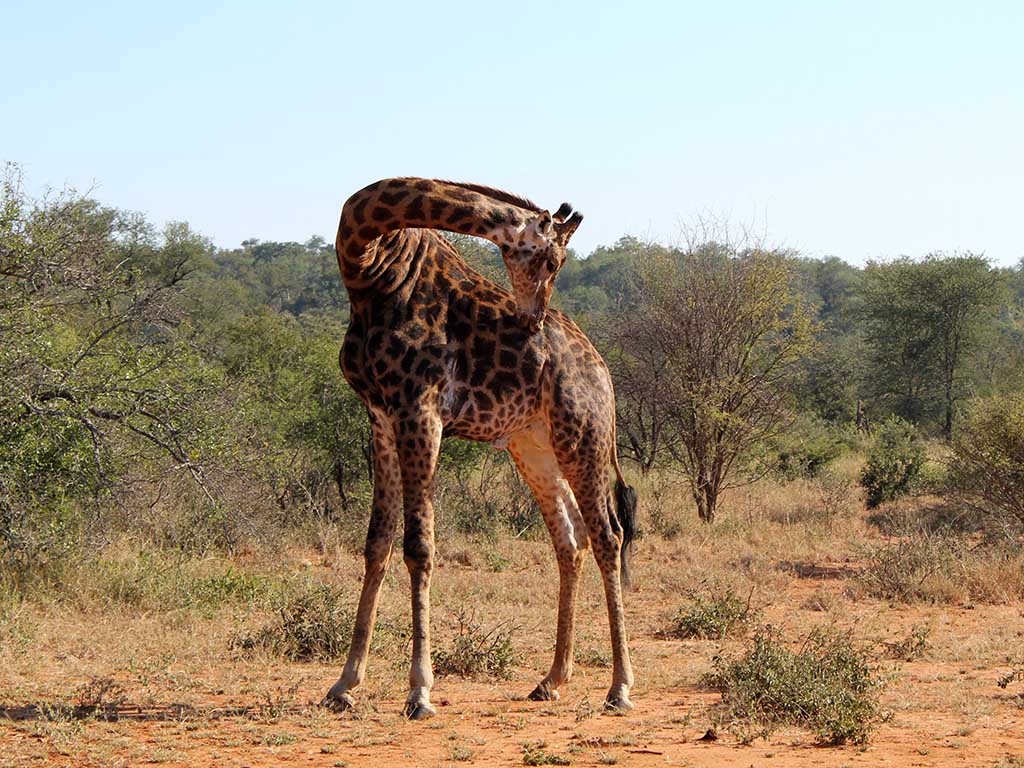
{"points": [[499, 194]]}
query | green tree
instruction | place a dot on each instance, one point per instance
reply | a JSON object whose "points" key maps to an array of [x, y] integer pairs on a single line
{"points": [[923, 322], [714, 343], [100, 376]]}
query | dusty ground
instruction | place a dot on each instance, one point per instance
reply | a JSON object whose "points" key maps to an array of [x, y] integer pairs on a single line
{"points": [[173, 692]]}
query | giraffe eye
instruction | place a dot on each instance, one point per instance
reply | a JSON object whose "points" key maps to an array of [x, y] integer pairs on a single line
{"points": [[552, 265]]}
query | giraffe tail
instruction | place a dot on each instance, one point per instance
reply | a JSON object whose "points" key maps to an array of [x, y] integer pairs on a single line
{"points": [[625, 512]]}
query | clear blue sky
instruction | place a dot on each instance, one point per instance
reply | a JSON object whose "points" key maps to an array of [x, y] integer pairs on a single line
{"points": [[859, 129]]}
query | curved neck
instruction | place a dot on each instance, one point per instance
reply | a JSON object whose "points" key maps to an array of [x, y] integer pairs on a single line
{"points": [[402, 203]]}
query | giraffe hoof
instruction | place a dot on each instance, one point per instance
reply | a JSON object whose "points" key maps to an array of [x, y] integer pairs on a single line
{"points": [[419, 711], [620, 705], [338, 702], [543, 693]]}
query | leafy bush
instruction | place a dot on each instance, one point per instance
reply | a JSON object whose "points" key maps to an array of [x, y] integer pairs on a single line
{"points": [[480, 492], [478, 651], [894, 461], [827, 686], [988, 456], [712, 617], [314, 625], [806, 448]]}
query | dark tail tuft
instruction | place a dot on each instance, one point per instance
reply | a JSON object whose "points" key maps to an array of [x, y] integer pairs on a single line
{"points": [[625, 511]]}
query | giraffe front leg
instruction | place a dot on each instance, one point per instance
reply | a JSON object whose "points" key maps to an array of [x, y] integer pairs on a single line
{"points": [[419, 442], [537, 463], [377, 553], [569, 565]]}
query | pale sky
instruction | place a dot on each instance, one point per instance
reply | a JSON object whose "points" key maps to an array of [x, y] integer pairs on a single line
{"points": [[858, 129]]}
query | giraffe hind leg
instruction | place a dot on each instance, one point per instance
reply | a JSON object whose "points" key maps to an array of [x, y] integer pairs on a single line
{"points": [[419, 444], [590, 477], [377, 554]]}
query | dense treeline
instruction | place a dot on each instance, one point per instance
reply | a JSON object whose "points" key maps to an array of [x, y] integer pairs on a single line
{"points": [[154, 383]]}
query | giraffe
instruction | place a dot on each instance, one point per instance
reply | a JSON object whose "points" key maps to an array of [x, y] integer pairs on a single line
{"points": [[435, 349]]}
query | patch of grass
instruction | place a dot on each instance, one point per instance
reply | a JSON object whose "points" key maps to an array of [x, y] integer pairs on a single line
{"points": [[155, 580], [820, 600], [534, 753], [941, 565], [459, 753], [496, 562], [712, 616], [16, 631], [314, 625], [827, 686], [100, 694], [911, 647], [901, 570], [592, 657], [278, 739], [230, 586], [478, 651]]}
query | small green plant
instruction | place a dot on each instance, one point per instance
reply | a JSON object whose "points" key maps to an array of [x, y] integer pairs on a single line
{"points": [[496, 562], [476, 650], [712, 616], [911, 647], [314, 625], [459, 753], [534, 753], [592, 657], [278, 739], [893, 463], [827, 685]]}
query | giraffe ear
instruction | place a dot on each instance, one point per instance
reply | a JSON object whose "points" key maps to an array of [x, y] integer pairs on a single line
{"points": [[564, 227], [543, 224]]}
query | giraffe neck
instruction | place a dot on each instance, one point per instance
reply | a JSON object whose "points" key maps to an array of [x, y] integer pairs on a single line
{"points": [[401, 203]]}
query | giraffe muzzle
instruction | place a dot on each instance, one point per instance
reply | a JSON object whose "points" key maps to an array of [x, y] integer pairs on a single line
{"points": [[533, 321]]}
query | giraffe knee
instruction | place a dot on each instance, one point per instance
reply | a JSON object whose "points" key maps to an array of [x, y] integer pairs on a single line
{"points": [[607, 541], [418, 552], [376, 555], [570, 561]]}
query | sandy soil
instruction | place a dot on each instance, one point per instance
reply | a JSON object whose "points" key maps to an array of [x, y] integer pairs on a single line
{"points": [[172, 692]]}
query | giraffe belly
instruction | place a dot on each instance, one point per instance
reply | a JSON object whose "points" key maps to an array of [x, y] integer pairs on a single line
{"points": [[479, 417]]}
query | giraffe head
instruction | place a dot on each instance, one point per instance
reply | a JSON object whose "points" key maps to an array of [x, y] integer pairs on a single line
{"points": [[535, 257]]}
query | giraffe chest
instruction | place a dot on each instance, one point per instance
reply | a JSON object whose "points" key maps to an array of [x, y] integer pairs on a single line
{"points": [[490, 389]]}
